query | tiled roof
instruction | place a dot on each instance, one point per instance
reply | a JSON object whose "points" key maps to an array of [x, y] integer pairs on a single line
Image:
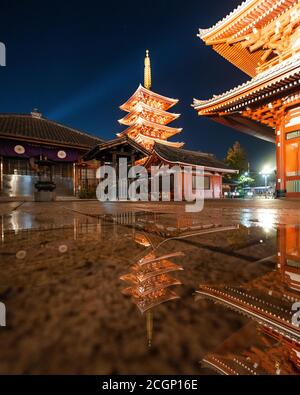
{"points": [[282, 71], [31, 128], [183, 156], [105, 146], [246, 16]]}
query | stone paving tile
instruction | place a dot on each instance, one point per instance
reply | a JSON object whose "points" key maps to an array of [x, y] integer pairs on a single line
{"points": [[66, 312], [61, 264]]}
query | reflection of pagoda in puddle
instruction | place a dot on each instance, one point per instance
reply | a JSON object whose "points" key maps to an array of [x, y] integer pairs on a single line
{"points": [[272, 345], [150, 281]]}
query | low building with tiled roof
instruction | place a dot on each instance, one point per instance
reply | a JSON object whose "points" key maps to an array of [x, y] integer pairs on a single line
{"points": [[24, 138], [214, 169], [33, 127]]}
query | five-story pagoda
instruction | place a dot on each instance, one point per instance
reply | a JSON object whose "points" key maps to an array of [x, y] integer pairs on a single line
{"points": [[147, 115]]}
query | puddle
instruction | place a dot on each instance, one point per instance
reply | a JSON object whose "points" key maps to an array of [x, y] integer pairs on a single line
{"points": [[149, 293]]}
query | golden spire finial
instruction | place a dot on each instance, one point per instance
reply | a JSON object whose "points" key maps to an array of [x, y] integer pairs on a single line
{"points": [[147, 71], [149, 324]]}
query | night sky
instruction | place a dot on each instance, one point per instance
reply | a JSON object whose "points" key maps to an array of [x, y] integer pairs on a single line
{"points": [[77, 62]]}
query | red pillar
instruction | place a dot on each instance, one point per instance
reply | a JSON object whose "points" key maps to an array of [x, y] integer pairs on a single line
{"points": [[280, 158], [212, 180]]}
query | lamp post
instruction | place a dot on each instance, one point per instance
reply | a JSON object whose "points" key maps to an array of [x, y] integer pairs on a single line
{"points": [[266, 172], [266, 179]]}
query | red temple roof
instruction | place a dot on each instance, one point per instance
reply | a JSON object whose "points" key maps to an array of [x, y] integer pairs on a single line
{"points": [[247, 22], [280, 78], [142, 110], [149, 97], [142, 126], [254, 107]]}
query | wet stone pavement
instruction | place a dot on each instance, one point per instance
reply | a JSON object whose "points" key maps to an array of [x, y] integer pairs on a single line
{"points": [[137, 288]]}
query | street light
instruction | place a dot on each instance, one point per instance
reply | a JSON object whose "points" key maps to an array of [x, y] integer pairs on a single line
{"points": [[266, 172]]}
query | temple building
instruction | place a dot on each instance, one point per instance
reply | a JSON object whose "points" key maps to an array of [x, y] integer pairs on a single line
{"points": [[213, 168], [75, 155], [25, 138], [262, 38], [145, 140]]}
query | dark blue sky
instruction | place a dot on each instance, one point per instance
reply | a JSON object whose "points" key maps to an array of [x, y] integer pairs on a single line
{"points": [[79, 61]]}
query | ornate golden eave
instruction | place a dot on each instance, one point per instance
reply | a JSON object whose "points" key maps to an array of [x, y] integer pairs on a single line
{"points": [[142, 108], [148, 114], [152, 140], [275, 82], [141, 125], [145, 95], [255, 33]]}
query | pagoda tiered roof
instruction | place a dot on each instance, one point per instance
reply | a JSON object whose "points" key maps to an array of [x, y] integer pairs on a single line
{"points": [[150, 129], [148, 116], [148, 113], [149, 142], [152, 99], [249, 36]]}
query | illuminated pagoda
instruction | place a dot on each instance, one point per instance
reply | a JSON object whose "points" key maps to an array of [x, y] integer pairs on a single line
{"points": [[267, 301], [148, 115], [145, 139], [262, 38], [150, 283]]}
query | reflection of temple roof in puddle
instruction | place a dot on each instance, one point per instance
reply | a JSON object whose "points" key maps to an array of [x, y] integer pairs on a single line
{"points": [[148, 286], [142, 239], [151, 258], [272, 312], [144, 303], [275, 285], [145, 271], [150, 282], [274, 345], [251, 352]]}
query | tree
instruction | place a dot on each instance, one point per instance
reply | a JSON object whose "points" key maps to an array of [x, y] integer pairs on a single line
{"points": [[237, 158], [245, 181]]}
